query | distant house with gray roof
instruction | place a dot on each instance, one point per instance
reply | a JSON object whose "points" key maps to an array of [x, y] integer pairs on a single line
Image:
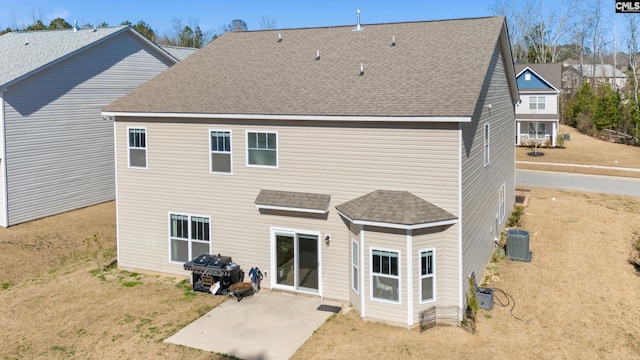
{"points": [[354, 164], [56, 149], [573, 74]]}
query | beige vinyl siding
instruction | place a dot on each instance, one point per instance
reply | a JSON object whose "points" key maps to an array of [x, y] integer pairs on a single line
{"points": [[481, 184], [444, 240], [59, 149], [393, 240], [340, 159]]}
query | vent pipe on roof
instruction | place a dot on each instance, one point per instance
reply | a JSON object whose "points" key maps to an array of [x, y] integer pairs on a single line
{"points": [[75, 26], [361, 69], [318, 54], [26, 40], [393, 40], [358, 27], [279, 37]]}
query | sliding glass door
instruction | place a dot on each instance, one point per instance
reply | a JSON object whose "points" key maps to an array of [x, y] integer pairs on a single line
{"points": [[297, 260]]}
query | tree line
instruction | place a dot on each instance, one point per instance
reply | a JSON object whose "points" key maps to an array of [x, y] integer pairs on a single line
{"points": [[180, 34], [581, 31]]}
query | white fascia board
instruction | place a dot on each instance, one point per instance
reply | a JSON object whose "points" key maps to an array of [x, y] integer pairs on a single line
{"points": [[399, 226], [437, 119], [286, 208]]}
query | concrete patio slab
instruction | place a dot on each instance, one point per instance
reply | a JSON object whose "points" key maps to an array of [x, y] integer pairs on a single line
{"points": [[266, 326]]}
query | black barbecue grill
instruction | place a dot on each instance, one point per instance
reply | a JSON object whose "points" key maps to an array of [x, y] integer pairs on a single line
{"points": [[206, 270]]}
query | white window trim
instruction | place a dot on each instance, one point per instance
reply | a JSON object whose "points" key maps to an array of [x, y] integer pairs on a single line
{"points": [[221, 152], [486, 137], [372, 281], [502, 203], [420, 276], [190, 215], [355, 266], [537, 102], [272, 257], [146, 148], [527, 77], [246, 147]]}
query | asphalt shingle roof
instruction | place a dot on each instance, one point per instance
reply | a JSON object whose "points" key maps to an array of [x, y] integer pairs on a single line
{"points": [[436, 68], [290, 199], [24, 52], [178, 52], [393, 207]]}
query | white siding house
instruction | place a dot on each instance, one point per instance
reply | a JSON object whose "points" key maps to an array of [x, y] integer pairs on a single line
{"points": [[354, 165], [56, 148]]}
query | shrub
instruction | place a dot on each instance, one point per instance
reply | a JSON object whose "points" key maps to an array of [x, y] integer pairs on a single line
{"points": [[515, 219]]}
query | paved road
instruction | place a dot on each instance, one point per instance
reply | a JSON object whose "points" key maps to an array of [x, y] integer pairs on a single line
{"points": [[579, 182]]}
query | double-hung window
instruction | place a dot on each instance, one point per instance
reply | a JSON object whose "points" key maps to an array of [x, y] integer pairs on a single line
{"points": [[427, 275], [385, 275], [220, 144], [355, 273], [137, 145], [262, 149], [537, 130], [537, 103], [487, 144], [189, 236]]}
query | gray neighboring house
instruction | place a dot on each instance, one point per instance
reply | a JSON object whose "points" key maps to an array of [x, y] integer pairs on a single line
{"points": [[178, 52], [56, 149], [354, 164]]}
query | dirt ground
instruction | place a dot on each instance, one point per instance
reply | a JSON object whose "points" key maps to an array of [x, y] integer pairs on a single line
{"points": [[579, 293], [583, 149]]}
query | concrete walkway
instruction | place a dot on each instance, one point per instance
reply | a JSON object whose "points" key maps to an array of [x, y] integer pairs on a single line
{"points": [[268, 325]]}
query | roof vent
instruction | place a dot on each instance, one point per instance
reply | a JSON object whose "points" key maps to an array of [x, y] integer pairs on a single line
{"points": [[358, 27], [75, 26], [361, 69], [279, 37], [393, 40], [26, 40], [318, 54]]}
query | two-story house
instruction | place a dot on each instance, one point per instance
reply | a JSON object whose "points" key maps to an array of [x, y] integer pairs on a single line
{"points": [[353, 163], [56, 150], [537, 112]]}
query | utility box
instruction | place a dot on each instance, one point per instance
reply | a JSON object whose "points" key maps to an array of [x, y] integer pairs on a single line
{"points": [[484, 296], [518, 245]]}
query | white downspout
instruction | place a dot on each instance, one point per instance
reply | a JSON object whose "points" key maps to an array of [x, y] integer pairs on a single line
{"points": [[3, 164], [410, 277], [362, 272], [461, 223]]}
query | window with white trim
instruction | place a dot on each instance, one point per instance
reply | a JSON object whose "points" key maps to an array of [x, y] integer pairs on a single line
{"points": [[502, 203], [537, 102], [487, 144], [220, 145], [427, 275], [262, 149], [385, 275], [537, 130], [527, 77], [355, 273], [188, 236], [137, 146]]}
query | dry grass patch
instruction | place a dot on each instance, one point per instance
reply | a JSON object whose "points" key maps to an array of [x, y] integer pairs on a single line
{"points": [[583, 149]]}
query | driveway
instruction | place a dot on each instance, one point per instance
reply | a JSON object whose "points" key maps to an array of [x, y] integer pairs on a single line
{"points": [[579, 182], [268, 325]]}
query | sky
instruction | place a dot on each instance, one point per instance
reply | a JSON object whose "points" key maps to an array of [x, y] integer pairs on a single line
{"points": [[211, 15]]}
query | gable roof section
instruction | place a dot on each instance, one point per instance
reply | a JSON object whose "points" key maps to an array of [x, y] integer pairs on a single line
{"points": [[23, 54], [394, 209], [435, 69], [549, 75]]}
